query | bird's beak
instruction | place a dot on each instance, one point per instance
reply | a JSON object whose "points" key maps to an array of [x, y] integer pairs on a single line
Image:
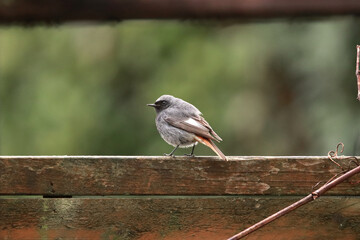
{"points": [[151, 105]]}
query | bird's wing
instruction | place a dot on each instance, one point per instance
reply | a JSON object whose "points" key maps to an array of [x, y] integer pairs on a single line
{"points": [[207, 125], [196, 125]]}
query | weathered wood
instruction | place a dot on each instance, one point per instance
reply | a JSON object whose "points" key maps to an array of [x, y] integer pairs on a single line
{"points": [[102, 10], [176, 218], [101, 175], [311, 197]]}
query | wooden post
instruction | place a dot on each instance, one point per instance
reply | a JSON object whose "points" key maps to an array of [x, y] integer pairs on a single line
{"points": [[357, 71]]}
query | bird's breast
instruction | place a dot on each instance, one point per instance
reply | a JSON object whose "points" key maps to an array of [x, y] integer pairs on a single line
{"points": [[173, 135]]}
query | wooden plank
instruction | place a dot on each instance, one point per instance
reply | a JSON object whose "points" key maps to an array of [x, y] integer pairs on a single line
{"points": [[110, 10], [176, 218], [86, 175]]}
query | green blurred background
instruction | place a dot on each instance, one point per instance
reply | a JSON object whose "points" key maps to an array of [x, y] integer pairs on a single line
{"points": [[267, 88]]}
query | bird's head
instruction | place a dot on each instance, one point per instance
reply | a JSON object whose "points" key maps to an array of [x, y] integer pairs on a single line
{"points": [[163, 103]]}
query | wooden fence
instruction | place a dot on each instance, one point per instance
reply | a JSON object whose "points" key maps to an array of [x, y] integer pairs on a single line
{"points": [[106, 197]]}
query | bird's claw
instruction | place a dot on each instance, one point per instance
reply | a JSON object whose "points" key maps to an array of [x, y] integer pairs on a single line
{"points": [[169, 155], [189, 155]]}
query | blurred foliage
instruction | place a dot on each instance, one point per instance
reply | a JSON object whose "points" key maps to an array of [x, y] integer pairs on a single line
{"points": [[267, 88]]}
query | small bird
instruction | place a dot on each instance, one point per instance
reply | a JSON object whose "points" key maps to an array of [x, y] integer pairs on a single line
{"points": [[180, 124]]}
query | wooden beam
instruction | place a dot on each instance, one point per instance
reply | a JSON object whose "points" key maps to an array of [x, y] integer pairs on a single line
{"points": [[101, 175], [118, 197], [110, 10], [171, 218]]}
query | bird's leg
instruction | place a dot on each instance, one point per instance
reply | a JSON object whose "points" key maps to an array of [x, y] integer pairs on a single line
{"points": [[172, 152], [192, 151]]}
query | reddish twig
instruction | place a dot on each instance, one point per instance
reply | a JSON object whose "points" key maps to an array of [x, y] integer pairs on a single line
{"points": [[334, 154], [313, 196], [357, 72]]}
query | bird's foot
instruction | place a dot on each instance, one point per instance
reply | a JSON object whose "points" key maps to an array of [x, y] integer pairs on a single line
{"points": [[169, 155], [189, 154]]}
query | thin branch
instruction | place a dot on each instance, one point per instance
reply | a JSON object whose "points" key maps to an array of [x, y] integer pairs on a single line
{"points": [[357, 72], [313, 196], [332, 154]]}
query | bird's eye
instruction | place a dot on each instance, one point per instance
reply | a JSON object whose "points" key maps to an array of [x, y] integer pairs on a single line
{"points": [[162, 103]]}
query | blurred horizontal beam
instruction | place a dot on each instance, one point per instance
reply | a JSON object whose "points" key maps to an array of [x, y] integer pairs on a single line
{"points": [[145, 175], [32, 11]]}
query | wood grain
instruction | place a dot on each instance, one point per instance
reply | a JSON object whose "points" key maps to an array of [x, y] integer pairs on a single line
{"points": [[86, 175], [110, 10], [175, 218]]}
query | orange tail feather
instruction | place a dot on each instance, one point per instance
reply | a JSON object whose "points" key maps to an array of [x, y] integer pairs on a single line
{"points": [[211, 145]]}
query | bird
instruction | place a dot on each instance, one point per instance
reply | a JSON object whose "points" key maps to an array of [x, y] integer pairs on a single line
{"points": [[182, 125]]}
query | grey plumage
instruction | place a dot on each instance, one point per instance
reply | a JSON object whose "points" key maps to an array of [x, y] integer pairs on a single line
{"points": [[180, 124]]}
